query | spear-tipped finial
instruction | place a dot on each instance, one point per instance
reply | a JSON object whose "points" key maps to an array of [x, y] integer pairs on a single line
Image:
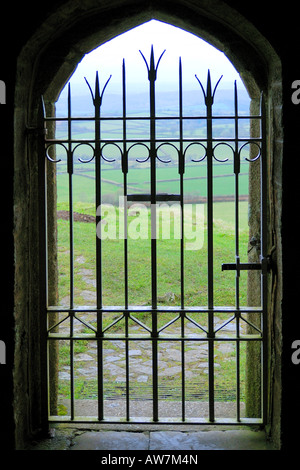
{"points": [[152, 70], [208, 85], [97, 98], [209, 95], [97, 88], [152, 65]]}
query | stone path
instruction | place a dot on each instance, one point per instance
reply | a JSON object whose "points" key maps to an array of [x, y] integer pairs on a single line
{"points": [[140, 376], [140, 355], [140, 352]]}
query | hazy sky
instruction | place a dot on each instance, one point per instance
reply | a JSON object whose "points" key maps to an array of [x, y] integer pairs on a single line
{"points": [[197, 57]]}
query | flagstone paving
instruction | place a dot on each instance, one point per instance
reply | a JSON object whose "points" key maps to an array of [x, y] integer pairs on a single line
{"points": [[140, 352], [153, 440]]}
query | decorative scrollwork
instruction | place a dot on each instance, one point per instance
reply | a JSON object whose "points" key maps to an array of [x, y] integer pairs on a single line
{"points": [[224, 324], [258, 154], [161, 145], [201, 158], [143, 145], [81, 159], [51, 145], [113, 323], [114, 145], [218, 145]]}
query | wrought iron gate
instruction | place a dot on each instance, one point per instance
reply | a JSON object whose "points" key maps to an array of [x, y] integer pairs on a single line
{"points": [[155, 332]]}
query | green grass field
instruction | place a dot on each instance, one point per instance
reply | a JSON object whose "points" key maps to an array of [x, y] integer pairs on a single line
{"points": [[139, 284], [138, 181], [139, 269], [139, 266], [168, 252]]}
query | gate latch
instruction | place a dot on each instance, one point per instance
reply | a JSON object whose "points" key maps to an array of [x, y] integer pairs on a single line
{"points": [[264, 265]]}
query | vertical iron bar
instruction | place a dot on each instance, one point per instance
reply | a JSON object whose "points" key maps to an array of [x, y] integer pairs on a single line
{"points": [[72, 364], [127, 365], [70, 170], [236, 164], [97, 105], [236, 198], [264, 226], [152, 79], [70, 173], [181, 172], [238, 394], [209, 103], [125, 171]]}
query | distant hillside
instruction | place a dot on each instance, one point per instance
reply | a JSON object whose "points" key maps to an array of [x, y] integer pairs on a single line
{"points": [[166, 103]]}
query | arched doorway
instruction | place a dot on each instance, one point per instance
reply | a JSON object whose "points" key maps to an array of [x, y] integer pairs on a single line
{"points": [[252, 66]]}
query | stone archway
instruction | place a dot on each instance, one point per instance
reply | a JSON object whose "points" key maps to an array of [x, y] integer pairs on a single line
{"points": [[44, 65]]}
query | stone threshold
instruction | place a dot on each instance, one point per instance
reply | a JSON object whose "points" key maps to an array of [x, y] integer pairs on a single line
{"points": [[64, 437]]}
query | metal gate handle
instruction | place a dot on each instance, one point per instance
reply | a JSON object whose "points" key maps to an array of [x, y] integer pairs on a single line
{"points": [[264, 265]]}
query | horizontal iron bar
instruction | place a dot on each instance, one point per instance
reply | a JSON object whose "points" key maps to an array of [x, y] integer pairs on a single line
{"points": [[241, 266], [149, 421], [108, 337], [158, 197], [147, 118], [145, 308], [142, 141]]}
